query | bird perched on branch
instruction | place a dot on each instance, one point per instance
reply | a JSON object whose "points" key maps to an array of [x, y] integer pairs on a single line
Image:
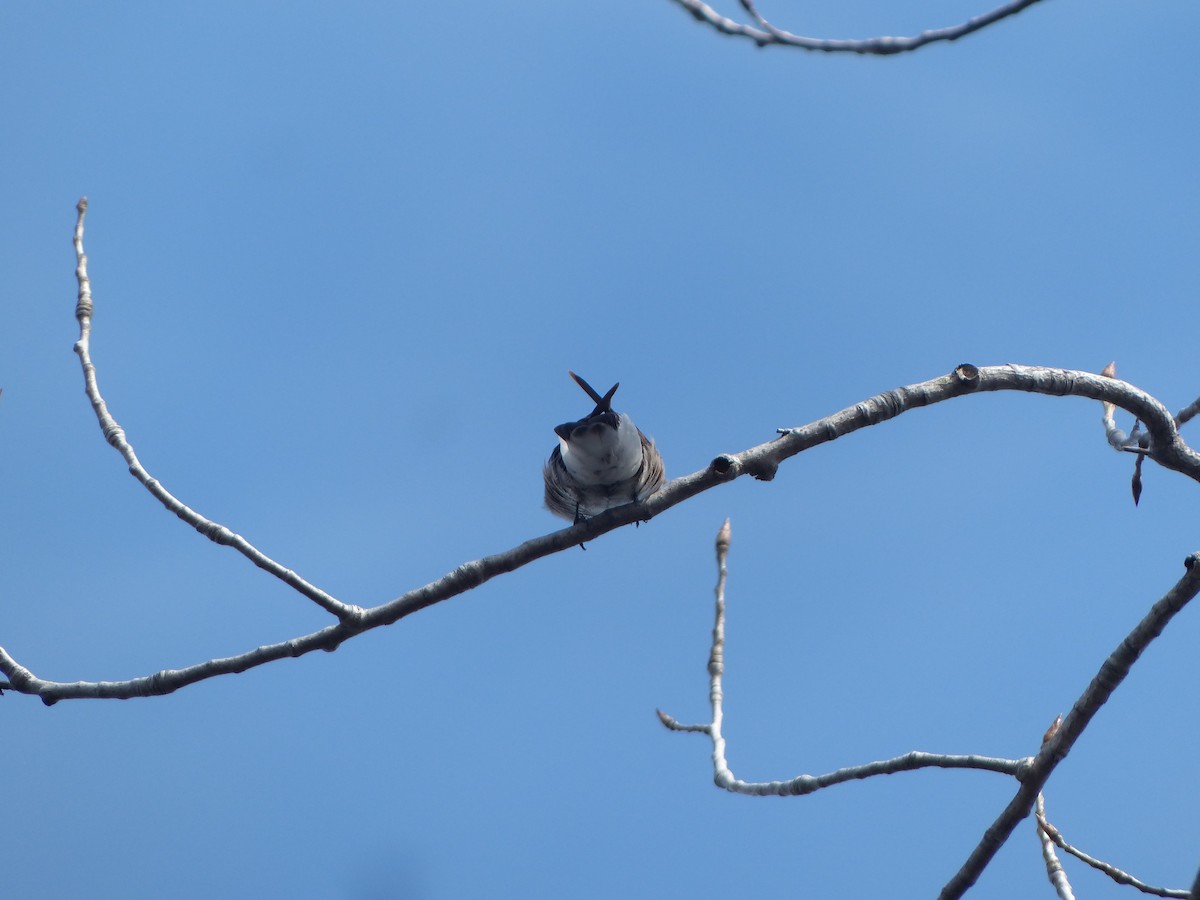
{"points": [[601, 461]]}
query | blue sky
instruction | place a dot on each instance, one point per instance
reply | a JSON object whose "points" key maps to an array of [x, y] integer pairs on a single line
{"points": [[342, 259]]}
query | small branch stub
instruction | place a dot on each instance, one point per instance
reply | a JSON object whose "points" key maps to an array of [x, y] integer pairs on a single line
{"points": [[763, 469]]}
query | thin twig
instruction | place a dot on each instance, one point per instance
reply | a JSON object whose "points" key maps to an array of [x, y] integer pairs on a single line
{"points": [[1118, 875], [115, 435], [1110, 676], [1134, 442], [1187, 413], [716, 661], [1054, 869], [767, 34], [803, 784]]}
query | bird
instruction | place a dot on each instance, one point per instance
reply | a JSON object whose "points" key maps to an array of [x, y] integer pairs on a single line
{"points": [[602, 460]]}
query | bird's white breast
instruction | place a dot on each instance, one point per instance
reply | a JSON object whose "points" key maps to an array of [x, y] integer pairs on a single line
{"points": [[597, 453]]}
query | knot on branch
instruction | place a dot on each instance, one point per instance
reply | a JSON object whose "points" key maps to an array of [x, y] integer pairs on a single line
{"points": [[725, 467], [802, 784], [967, 376], [114, 434], [218, 534], [728, 467]]}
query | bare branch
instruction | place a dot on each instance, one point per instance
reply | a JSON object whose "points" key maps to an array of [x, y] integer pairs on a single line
{"points": [[1164, 446], [761, 462], [804, 784], [1119, 440], [674, 725], [1032, 773], [115, 435], [1110, 676], [767, 34], [1053, 835], [1054, 869], [1187, 413]]}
